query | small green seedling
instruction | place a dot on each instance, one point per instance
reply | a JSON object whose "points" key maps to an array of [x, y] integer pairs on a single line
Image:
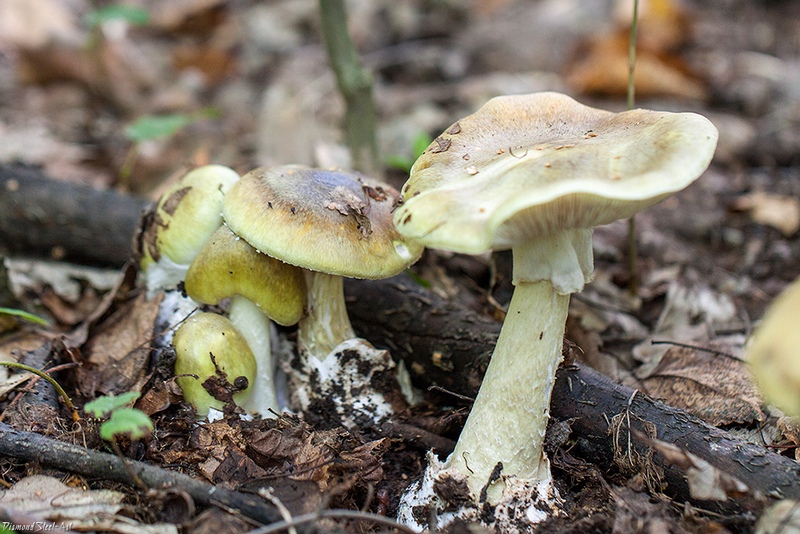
{"points": [[418, 146], [154, 128], [131, 14], [31, 318], [122, 420]]}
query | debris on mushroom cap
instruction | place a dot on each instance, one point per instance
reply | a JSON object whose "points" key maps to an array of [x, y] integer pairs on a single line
{"points": [[185, 216], [335, 222], [774, 352], [227, 266], [196, 340], [528, 165]]}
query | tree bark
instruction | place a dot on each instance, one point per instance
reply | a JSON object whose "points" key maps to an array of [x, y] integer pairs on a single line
{"points": [[58, 220]]}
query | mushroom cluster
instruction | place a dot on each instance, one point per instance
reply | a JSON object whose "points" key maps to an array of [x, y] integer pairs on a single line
{"points": [[332, 224], [534, 174], [275, 244]]}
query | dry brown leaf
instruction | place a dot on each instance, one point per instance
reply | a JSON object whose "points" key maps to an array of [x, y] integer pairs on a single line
{"points": [[781, 212], [34, 23], [603, 69], [118, 352], [706, 482], [715, 388]]}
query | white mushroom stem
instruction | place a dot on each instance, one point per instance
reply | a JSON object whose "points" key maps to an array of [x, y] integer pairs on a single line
{"points": [[254, 326], [326, 323], [508, 420]]}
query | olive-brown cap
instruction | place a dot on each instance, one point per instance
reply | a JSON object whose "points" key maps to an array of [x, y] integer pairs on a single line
{"points": [[228, 266], [527, 166], [335, 222]]}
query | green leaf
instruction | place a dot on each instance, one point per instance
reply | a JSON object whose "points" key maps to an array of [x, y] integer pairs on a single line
{"points": [[127, 421], [24, 315], [103, 406], [399, 162], [151, 127], [132, 14], [420, 143]]}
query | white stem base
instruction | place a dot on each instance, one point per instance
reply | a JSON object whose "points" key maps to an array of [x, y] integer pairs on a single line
{"points": [[356, 384], [523, 503]]}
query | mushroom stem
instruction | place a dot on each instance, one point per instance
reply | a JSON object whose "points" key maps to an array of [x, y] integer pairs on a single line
{"points": [[326, 323], [254, 327], [509, 417]]}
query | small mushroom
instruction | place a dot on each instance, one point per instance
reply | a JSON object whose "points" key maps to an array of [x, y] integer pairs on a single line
{"points": [[174, 231], [774, 351], [208, 345], [542, 171], [259, 288], [333, 224]]}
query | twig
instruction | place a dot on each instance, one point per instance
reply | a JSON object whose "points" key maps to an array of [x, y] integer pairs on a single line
{"points": [[52, 381], [333, 514], [32, 447], [355, 84]]}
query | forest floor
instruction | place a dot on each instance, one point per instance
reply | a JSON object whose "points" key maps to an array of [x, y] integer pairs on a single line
{"points": [[248, 84]]}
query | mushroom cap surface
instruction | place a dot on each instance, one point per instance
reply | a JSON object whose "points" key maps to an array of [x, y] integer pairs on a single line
{"points": [[228, 266], [334, 222], [774, 352], [526, 166], [195, 340], [186, 214]]}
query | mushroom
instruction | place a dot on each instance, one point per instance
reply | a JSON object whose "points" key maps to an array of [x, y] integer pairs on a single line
{"points": [[334, 224], [208, 345], [534, 174], [259, 288], [176, 228], [774, 352]]}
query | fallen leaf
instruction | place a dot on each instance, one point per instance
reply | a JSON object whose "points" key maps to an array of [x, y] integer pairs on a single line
{"points": [[706, 482], [602, 68], [117, 354], [777, 211], [715, 388], [782, 517]]}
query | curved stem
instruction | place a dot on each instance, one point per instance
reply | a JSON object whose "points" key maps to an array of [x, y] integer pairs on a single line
{"points": [[327, 323], [254, 327], [509, 417], [52, 381]]}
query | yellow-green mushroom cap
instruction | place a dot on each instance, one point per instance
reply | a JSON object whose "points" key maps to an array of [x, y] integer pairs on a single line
{"points": [[228, 266], [197, 338], [334, 222], [774, 351], [185, 216], [527, 166]]}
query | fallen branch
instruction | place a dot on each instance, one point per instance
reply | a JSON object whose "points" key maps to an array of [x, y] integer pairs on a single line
{"points": [[30, 447], [447, 345]]}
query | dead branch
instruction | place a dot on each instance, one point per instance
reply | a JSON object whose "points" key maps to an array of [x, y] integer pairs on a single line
{"points": [[30, 447], [425, 330], [51, 219]]}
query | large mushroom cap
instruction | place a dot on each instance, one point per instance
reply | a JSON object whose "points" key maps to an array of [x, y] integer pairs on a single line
{"points": [[530, 165], [335, 222]]}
